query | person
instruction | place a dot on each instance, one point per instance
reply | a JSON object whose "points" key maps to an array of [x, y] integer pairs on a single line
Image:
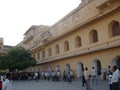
{"points": [[42, 75], [109, 70], [94, 76], [115, 78], [53, 75], [2, 77], [48, 75], [83, 78], [36, 76], [64, 76], [110, 82], [7, 84], [72, 75], [69, 78], [87, 78], [58, 75], [0, 85]]}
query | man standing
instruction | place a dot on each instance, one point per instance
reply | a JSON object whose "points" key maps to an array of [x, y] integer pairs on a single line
{"points": [[87, 79], [36, 76], [94, 76], [7, 84], [115, 78]]}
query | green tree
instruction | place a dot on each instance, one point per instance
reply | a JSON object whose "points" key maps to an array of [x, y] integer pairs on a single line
{"points": [[17, 58]]}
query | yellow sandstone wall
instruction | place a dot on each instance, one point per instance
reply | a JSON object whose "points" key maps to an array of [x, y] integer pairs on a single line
{"points": [[94, 15]]}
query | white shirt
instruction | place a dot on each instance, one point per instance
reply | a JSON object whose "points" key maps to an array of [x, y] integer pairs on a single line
{"points": [[94, 72], [86, 75], [43, 73], [110, 79], [115, 76], [36, 74], [58, 73], [2, 78], [46, 74], [71, 72], [7, 85]]}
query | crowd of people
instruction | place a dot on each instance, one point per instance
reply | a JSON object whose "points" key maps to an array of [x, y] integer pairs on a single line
{"points": [[57, 76], [114, 78], [113, 74], [67, 76]]}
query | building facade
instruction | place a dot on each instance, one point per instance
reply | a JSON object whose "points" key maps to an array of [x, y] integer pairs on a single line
{"points": [[1, 47], [88, 36]]}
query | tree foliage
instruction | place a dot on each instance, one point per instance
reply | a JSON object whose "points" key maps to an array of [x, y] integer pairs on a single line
{"points": [[17, 58]]}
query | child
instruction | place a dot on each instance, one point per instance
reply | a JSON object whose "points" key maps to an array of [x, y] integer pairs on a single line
{"points": [[110, 82]]}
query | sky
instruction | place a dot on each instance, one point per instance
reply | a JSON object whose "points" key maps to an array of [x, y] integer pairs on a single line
{"points": [[16, 16]]}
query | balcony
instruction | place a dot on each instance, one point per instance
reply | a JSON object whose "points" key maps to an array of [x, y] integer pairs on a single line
{"points": [[27, 39], [46, 37], [101, 4]]}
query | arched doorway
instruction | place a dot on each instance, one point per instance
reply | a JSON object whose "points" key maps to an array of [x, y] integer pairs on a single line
{"points": [[97, 65], [67, 67], [50, 69], [116, 61], [58, 67], [80, 68]]}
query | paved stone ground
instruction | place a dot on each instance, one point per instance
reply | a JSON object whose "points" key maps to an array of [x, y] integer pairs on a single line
{"points": [[49, 85]]}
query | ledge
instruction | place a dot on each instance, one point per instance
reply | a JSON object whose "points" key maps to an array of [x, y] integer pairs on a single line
{"points": [[100, 47]]}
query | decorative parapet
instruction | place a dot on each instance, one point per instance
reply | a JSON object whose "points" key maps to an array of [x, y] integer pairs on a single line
{"points": [[104, 5], [26, 40], [47, 36]]}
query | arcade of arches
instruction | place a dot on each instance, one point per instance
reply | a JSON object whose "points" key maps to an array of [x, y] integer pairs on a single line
{"points": [[77, 64]]}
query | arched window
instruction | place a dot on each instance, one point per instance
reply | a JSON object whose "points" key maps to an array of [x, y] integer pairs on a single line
{"points": [[57, 50], [38, 55], [43, 54], [49, 52], [66, 46], [67, 67], [33, 55], [115, 29], [78, 41], [93, 36]]}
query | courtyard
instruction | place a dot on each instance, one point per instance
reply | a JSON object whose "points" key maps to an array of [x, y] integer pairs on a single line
{"points": [[49, 85]]}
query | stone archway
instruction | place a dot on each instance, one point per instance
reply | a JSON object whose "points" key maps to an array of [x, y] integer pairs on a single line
{"points": [[50, 69], [116, 61], [97, 65], [80, 69], [58, 67], [67, 67]]}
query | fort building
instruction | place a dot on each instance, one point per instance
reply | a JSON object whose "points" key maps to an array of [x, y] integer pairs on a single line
{"points": [[88, 36]]}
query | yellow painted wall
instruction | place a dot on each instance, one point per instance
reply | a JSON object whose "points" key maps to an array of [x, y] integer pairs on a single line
{"points": [[105, 57], [85, 19]]}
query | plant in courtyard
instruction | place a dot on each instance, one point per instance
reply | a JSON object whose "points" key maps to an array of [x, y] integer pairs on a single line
{"points": [[17, 58]]}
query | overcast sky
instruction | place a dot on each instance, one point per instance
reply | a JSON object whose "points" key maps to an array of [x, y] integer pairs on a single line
{"points": [[16, 16]]}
